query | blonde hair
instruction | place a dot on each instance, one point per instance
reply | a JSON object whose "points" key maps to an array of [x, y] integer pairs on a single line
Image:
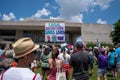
{"points": [[64, 55]]}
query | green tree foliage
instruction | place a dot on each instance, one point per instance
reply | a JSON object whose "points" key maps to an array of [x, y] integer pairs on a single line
{"points": [[91, 44], [115, 34]]}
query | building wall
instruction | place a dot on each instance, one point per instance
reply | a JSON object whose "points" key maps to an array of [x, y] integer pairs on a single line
{"points": [[89, 32], [19, 34], [94, 32]]}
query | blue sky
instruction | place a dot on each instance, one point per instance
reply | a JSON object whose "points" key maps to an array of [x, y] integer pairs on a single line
{"points": [[83, 11]]}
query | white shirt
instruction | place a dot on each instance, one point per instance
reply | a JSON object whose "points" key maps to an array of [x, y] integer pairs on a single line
{"points": [[65, 61], [19, 74]]}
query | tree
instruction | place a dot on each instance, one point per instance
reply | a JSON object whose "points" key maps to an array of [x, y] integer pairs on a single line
{"points": [[115, 34]]}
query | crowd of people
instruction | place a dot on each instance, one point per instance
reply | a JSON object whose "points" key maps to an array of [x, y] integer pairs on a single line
{"points": [[24, 58]]}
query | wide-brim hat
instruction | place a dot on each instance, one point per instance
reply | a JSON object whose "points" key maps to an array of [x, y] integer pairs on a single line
{"points": [[24, 46], [95, 47]]}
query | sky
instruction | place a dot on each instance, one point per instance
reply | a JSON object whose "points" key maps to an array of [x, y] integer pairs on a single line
{"points": [[82, 11]]}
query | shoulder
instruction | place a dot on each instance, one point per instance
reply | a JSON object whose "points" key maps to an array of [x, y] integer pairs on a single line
{"points": [[75, 54], [83, 53], [42, 54], [59, 61], [38, 77], [67, 54], [60, 54], [117, 49], [50, 60], [49, 54]]}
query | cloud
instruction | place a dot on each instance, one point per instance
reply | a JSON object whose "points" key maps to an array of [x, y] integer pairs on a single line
{"points": [[71, 8], [77, 18], [40, 13], [104, 4], [21, 19], [47, 4], [101, 21], [9, 17], [54, 7], [51, 17]]}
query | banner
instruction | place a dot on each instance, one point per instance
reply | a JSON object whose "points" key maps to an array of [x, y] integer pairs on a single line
{"points": [[55, 32]]}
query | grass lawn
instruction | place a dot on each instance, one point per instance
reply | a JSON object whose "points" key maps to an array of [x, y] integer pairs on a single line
{"points": [[94, 77]]}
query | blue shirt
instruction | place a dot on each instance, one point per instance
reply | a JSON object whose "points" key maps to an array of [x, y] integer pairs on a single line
{"points": [[0, 55], [117, 52], [112, 58], [1, 52], [102, 61], [91, 58]]}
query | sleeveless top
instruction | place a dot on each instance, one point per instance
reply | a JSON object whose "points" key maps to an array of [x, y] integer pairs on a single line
{"points": [[53, 71]]}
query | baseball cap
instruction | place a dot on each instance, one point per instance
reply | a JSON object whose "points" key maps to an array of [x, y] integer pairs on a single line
{"points": [[63, 49], [79, 44]]}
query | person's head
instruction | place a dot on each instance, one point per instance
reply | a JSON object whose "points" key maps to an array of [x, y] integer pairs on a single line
{"points": [[118, 45], [47, 50], [111, 49], [55, 52], [10, 47], [63, 49], [8, 60], [24, 49], [54, 45], [86, 50], [102, 51], [96, 48], [106, 51], [9, 54], [79, 45], [90, 49]]}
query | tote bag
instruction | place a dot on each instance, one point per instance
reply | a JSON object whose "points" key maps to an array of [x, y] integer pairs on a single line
{"points": [[60, 75]]}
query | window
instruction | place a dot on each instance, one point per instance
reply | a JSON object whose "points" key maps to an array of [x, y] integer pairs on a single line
{"points": [[7, 32]]}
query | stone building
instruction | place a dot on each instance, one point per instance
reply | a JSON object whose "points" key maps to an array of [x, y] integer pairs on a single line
{"points": [[13, 30]]}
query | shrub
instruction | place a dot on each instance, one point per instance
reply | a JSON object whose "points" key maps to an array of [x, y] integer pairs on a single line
{"points": [[107, 44], [91, 44]]}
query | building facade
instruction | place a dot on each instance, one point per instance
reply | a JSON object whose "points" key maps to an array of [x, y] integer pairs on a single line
{"points": [[13, 30]]}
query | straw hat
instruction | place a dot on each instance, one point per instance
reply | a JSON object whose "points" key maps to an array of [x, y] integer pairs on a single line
{"points": [[95, 47], [24, 46]]}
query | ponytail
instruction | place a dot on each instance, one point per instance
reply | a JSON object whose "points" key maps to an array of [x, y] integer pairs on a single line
{"points": [[64, 55]]}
